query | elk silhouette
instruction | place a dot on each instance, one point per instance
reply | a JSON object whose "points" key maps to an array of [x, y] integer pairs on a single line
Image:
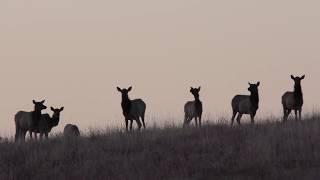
{"points": [[243, 104], [28, 121], [133, 110], [193, 109], [293, 100], [71, 130], [47, 123]]}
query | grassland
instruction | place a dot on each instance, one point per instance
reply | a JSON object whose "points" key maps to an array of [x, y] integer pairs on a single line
{"points": [[268, 150]]}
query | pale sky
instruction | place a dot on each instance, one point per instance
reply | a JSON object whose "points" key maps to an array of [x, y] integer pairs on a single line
{"points": [[74, 53]]}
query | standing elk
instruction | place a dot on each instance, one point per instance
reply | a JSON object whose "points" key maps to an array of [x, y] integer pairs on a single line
{"points": [[244, 104], [47, 123], [28, 121], [133, 110], [293, 100], [193, 109]]}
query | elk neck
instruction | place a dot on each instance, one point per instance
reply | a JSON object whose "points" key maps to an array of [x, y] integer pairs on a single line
{"points": [[254, 98], [55, 120], [298, 94], [197, 98], [297, 90], [198, 103], [36, 116], [126, 104]]}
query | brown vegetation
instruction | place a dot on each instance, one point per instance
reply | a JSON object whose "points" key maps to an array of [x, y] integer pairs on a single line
{"points": [[262, 151]]}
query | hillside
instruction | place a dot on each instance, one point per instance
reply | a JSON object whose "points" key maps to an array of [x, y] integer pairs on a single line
{"points": [[263, 151]]}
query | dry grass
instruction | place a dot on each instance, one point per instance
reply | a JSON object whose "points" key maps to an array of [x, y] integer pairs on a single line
{"points": [[264, 151]]}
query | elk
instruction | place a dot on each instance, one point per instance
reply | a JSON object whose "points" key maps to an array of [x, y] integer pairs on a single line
{"points": [[244, 104], [47, 123], [71, 130], [293, 100], [28, 121], [133, 110], [193, 109]]}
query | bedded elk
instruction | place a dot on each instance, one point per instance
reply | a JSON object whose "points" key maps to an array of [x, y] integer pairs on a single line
{"points": [[133, 110], [71, 130], [244, 104], [293, 100]]}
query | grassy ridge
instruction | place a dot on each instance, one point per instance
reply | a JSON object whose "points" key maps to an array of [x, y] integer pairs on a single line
{"points": [[264, 151]]}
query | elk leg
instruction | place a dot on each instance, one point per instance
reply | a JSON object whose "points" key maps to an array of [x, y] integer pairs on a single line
{"points": [[185, 121], [47, 136], [285, 112], [300, 112], [239, 118], [296, 114], [190, 120], [17, 137], [30, 133], [23, 134], [127, 123], [288, 114], [139, 123], [200, 119], [20, 138], [285, 115], [196, 120], [233, 117], [252, 118], [131, 124], [144, 124]]}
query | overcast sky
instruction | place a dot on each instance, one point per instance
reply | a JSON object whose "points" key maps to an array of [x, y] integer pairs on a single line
{"points": [[74, 53]]}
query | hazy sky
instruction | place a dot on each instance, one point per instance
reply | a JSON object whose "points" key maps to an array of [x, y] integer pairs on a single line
{"points": [[75, 52]]}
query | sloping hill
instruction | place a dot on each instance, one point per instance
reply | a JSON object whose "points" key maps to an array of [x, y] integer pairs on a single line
{"points": [[264, 151]]}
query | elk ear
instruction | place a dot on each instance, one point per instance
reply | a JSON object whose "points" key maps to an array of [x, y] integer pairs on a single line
{"points": [[249, 83], [61, 109], [34, 102], [118, 89], [43, 101], [199, 88], [130, 88], [52, 109], [258, 84], [292, 77], [303, 77]]}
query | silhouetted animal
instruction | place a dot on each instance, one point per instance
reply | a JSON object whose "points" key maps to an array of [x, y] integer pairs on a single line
{"points": [[71, 130], [47, 123], [244, 104], [193, 109], [293, 100], [132, 109], [27, 121]]}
